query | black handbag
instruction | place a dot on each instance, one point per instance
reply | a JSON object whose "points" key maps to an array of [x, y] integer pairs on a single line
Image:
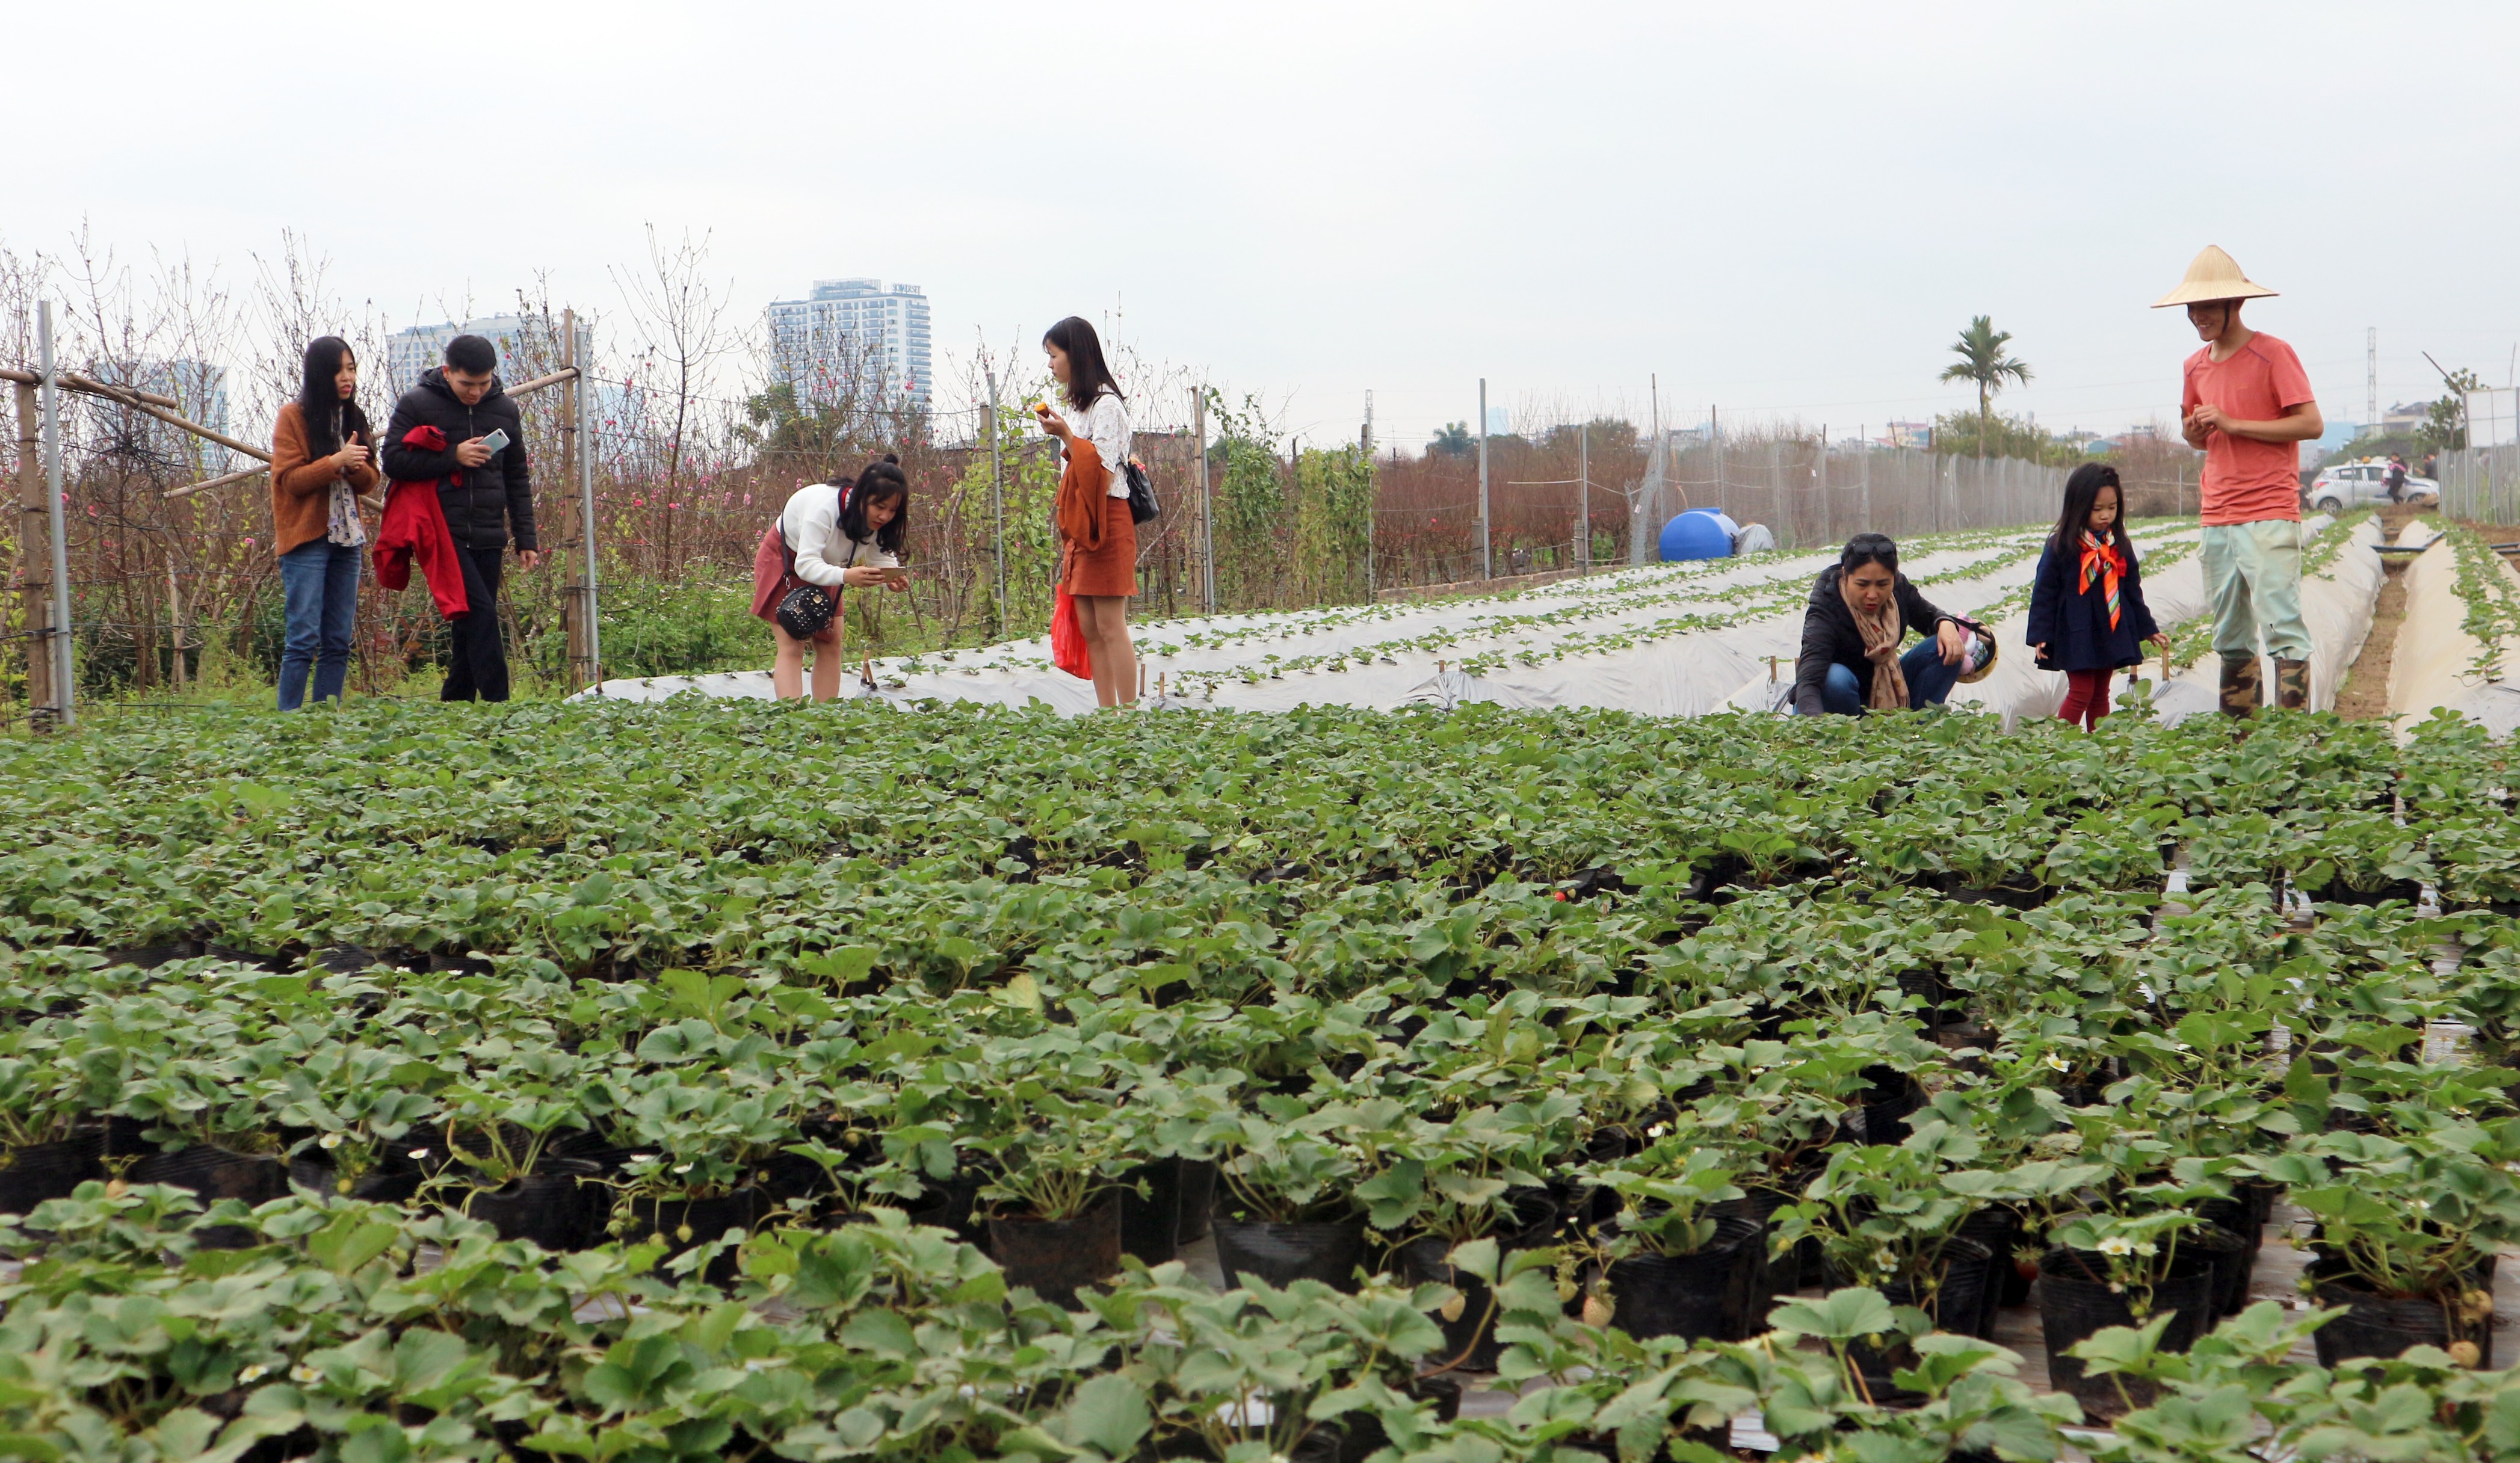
{"points": [[808, 609], [1143, 507]]}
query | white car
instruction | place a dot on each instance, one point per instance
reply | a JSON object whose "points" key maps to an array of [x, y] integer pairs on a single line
{"points": [[2360, 484]]}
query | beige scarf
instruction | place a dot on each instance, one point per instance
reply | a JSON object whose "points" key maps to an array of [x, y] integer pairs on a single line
{"points": [[1882, 633]]}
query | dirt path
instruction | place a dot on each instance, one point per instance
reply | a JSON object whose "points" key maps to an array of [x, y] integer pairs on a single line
{"points": [[2365, 695]]}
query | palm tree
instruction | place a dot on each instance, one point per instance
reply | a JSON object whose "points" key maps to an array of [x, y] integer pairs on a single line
{"points": [[1980, 348], [1453, 439]]}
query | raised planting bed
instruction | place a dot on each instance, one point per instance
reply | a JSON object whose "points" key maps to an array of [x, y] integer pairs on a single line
{"points": [[754, 1082]]}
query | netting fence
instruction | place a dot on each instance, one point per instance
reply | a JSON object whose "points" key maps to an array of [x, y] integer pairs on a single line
{"points": [[171, 579]]}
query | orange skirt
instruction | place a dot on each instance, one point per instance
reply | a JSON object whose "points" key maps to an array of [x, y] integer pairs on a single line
{"points": [[1111, 571]]}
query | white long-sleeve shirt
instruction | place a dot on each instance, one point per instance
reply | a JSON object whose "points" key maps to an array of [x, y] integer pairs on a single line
{"points": [[811, 521], [1106, 424]]}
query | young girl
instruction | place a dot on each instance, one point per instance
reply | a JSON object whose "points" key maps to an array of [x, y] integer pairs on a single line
{"points": [[2086, 612], [845, 533]]}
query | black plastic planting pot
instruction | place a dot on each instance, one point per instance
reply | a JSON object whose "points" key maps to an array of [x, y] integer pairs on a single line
{"points": [[2235, 1261], [2408, 890], [2075, 1303], [1329, 1251], [150, 957], [214, 1174], [1999, 1229], [39, 1172], [1958, 1305], [705, 1219], [1057, 1258], [1197, 1196], [1470, 1338], [1780, 1274], [1706, 1296], [2384, 1326], [560, 1207], [1151, 1224], [948, 1203]]}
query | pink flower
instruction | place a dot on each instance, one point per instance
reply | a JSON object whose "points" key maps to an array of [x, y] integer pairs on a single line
{"points": [[638, 503], [748, 499], [248, 543]]}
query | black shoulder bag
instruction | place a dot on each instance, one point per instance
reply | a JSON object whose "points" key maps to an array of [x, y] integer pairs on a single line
{"points": [[1143, 507], [807, 610]]}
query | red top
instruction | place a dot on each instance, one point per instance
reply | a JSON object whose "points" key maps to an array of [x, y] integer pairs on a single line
{"points": [[2248, 482]]}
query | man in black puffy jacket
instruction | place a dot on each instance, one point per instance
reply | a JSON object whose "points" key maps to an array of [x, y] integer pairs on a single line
{"points": [[483, 493]]}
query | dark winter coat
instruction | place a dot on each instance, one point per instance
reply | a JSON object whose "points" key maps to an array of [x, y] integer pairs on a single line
{"points": [[483, 503], [1829, 636], [2073, 622]]}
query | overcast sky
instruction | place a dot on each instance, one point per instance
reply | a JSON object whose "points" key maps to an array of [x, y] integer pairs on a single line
{"points": [[1787, 210]]}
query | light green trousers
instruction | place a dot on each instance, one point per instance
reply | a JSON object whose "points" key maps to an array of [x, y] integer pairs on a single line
{"points": [[2253, 580]]}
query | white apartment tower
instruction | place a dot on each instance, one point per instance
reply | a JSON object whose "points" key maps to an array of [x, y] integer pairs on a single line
{"points": [[859, 338]]}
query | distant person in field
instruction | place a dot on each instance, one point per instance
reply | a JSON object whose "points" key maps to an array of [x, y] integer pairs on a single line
{"points": [[1860, 608], [486, 488], [2086, 612], [1097, 537], [838, 535], [2397, 478], [2430, 458], [319, 467], [2247, 402]]}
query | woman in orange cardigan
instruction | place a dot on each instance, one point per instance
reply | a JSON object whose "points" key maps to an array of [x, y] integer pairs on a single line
{"points": [[1098, 538], [319, 467]]}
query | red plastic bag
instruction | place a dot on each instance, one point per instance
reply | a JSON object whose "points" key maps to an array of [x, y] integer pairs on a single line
{"points": [[1067, 639]]}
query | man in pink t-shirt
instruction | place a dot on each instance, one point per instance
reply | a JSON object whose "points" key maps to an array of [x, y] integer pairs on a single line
{"points": [[2247, 402]]}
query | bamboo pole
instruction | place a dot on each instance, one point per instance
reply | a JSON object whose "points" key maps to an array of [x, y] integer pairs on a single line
{"points": [[229, 480]]}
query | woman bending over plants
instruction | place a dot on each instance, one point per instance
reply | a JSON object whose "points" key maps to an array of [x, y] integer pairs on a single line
{"points": [[845, 533]]}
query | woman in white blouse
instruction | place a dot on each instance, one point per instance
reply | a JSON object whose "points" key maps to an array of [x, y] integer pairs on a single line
{"points": [[844, 534], [1103, 573]]}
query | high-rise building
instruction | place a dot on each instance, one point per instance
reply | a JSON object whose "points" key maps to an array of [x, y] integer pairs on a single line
{"points": [[201, 390], [410, 352], [853, 339]]}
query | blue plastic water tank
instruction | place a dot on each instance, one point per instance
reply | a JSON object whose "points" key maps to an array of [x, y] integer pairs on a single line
{"points": [[1695, 534]]}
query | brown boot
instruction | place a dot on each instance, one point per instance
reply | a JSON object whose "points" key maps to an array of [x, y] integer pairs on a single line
{"points": [[2241, 686], [2292, 683]]}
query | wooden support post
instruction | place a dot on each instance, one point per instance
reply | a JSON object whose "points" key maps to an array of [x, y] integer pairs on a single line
{"points": [[573, 615], [174, 624], [34, 556]]}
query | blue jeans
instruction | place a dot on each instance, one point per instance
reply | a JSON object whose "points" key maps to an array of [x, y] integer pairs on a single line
{"points": [[1929, 680], [319, 585]]}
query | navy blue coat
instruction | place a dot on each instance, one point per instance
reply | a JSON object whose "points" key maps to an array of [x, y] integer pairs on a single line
{"points": [[2073, 623]]}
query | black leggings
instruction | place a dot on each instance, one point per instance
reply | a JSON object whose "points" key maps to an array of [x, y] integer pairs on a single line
{"points": [[480, 664]]}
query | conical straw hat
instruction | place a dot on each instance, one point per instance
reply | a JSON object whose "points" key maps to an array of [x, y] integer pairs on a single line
{"points": [[2212, 274]]}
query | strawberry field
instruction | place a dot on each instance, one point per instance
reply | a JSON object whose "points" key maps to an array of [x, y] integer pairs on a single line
{"points": [[710, 1081]]}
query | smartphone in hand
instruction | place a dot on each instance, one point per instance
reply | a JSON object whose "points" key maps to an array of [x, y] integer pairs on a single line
{"points": [[497, 441]]}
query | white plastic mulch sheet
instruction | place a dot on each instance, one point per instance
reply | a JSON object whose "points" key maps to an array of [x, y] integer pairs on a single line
{"points": [[2437, 661], [1671, 639]]}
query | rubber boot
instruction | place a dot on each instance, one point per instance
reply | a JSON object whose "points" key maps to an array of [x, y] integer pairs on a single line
{"points": [[2240, 693], [2292, 683]]}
